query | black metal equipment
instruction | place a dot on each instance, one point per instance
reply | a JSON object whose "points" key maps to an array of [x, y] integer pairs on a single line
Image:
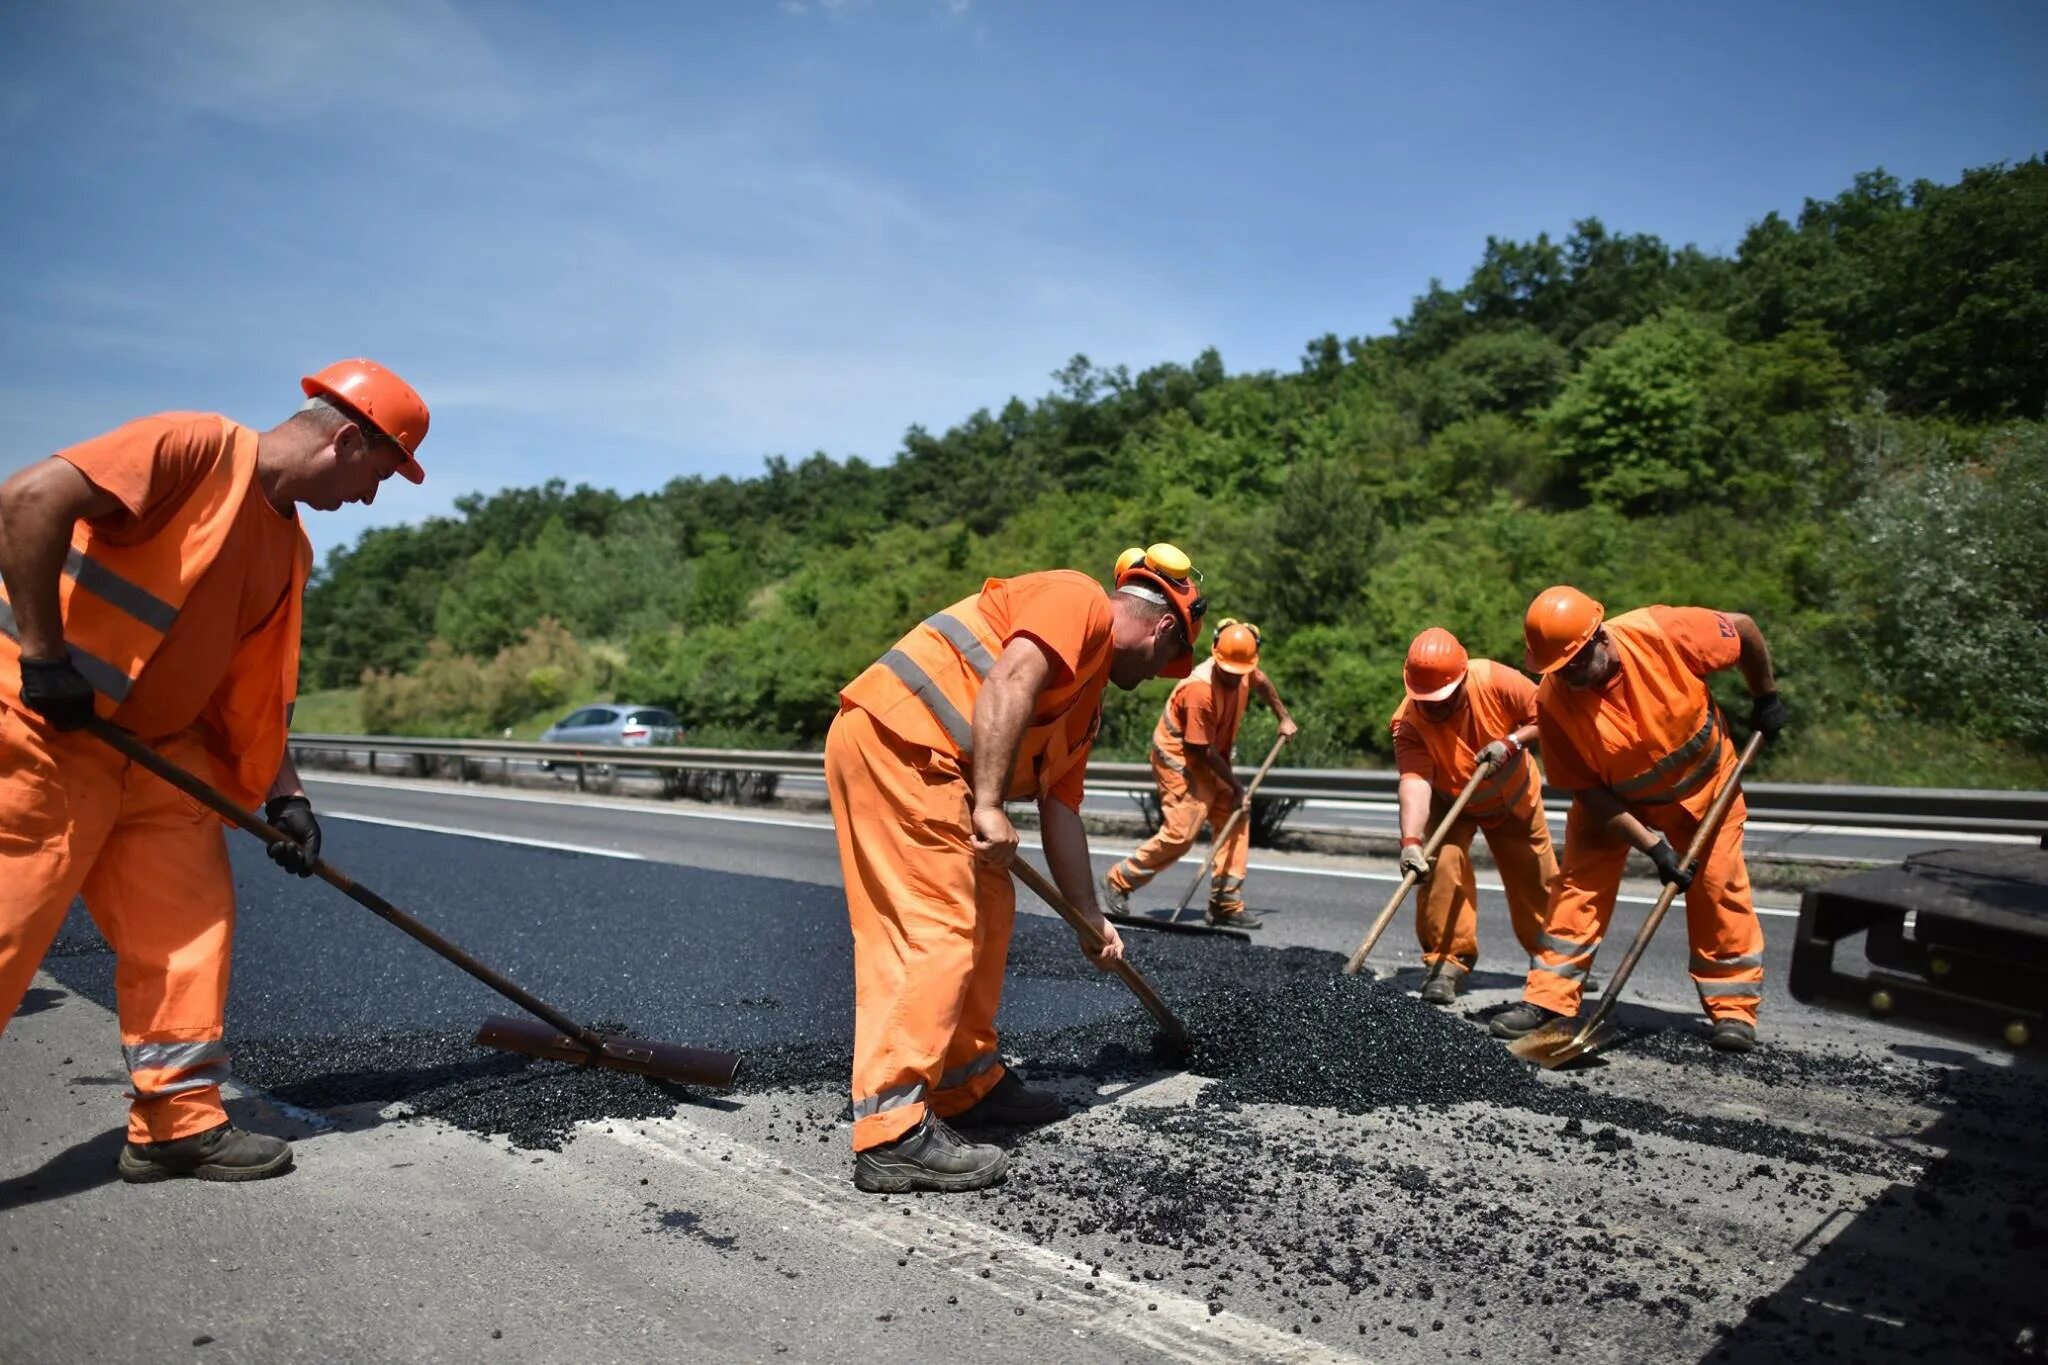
{"points": [[1956, 941]]}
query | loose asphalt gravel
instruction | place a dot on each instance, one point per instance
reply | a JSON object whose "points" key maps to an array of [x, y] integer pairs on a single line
{"points": [[1335, 1155]]}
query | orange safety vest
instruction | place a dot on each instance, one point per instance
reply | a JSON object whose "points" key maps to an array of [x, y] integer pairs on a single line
{"points": [[1169, 736], [1489, 714], [924, 690], [1653, 735], [118, 602]]}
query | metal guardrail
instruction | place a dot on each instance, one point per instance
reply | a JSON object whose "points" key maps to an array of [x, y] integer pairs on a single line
{"points": [[1930, 808]]}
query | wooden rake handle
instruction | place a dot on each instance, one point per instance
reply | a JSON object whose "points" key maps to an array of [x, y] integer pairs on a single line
{"points": [[140, 754], [1043, 888], [1701, 837], [1229, 827], [1436, 840]]}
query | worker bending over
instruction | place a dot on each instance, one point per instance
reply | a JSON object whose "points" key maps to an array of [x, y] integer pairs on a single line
{"points": [[1629, 729], [153, 577], [1191, 761], [1462, 712], [997, 698]]}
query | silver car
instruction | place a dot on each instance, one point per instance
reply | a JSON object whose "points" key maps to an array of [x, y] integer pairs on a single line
{"points": [[614, 723]]}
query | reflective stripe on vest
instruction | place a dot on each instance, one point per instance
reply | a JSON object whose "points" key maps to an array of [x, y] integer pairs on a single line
{"points": [[1694, 761], [928, 691], [107, 680], [132, 598]]}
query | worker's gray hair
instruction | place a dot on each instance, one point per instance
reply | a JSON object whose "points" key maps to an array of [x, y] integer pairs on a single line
{"points": [[324, 413], [1152, 602]]}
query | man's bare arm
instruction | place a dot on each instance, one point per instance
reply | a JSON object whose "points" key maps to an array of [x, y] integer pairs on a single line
{"points": [[38, 509]]}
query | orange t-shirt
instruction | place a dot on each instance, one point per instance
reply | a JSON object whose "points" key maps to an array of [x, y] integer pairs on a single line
{"points": [[1068, 615], [150, 466], [1705, 642], [1498, 701], [1209, 710]]}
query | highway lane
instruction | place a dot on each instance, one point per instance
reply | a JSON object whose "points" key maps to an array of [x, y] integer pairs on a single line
{"points": [[1825, 842], [1308, 900]]}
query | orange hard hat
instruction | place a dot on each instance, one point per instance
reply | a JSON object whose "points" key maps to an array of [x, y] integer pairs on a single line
{"points": [[1163, 574], [1557, 625], [1237, 646], [375, 397], [1436, 665]]}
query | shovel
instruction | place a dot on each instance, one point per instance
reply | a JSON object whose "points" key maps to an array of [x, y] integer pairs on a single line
{"points": [[563, 1040], [1566, 1040], [1140, 987], [1436, 841], [1173, 924]]}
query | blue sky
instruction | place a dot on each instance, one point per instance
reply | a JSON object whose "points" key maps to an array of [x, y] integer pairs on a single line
{"points": [[616, 243]]}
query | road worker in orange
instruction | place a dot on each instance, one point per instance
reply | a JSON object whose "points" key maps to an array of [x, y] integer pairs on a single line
{"points": [[1191, 761], [1629, 729], [153, 577], [1461, 712], [997, 698]]}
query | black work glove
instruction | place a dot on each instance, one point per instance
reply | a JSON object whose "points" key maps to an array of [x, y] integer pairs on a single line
{"points": [[1669, 870], [294, 815], [1769, 715], [57, 692]]}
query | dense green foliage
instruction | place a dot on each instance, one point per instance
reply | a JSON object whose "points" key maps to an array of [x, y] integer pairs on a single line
{"points": [[1838, 429]]}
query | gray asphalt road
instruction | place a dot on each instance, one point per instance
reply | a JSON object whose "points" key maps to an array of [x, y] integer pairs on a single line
{"points": [[1846, 1192]]}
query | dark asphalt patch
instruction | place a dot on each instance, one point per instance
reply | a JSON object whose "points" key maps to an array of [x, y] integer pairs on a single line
{"points": [[1356, 1155]]}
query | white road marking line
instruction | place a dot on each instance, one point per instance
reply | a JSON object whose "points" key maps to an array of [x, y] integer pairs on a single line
{"points": [[331, 814], [822, 826], [1032, 1277], [534, 799]]}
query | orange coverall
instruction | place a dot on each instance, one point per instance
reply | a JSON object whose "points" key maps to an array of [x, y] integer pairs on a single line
{"points": [[1203, 708], [1653, 737], [182, 609], [1508, 807], [931, 925]]}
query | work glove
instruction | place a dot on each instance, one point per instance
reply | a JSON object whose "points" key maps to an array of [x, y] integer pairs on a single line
{"points": [[294, 815], [1500, 751], [1669, 869], [1769, 715], [57, 692], [1412, 860]]}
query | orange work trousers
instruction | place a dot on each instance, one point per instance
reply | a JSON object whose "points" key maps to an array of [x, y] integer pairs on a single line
{"points": [[1447, 910], [931, 930], [1184, 806], [1727, 941], [77, 818]]}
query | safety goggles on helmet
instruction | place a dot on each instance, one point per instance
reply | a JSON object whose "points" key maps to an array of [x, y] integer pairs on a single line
{"points": [[1164, 575]]}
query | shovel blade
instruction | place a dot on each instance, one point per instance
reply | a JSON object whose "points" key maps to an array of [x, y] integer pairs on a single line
{"points": [[1167, 926], [643, 1056], [1560, 1042]]}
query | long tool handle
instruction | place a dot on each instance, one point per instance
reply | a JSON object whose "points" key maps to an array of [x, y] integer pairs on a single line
{"points": [[1435, 842], [141, 754], [1140, 987], [1701, 837], [1244, 808]]}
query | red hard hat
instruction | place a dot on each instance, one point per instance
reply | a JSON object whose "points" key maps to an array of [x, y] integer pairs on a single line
{"points": [[1163, 573], [1557, 625], [368, 391], [1436, 665]]}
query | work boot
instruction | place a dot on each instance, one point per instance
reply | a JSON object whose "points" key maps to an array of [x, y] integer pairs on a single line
{"points": [[1115, 902], [1010, 1103], [1240, 918], [1440, 988], [930, 1156], [1521, 1019], [224, 1152], [1732, 1035]]}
